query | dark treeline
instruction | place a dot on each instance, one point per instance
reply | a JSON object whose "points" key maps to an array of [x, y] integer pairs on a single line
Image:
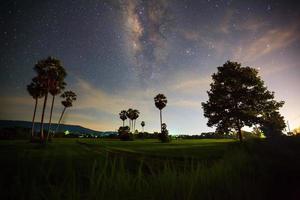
{"points": [[237, 98]]}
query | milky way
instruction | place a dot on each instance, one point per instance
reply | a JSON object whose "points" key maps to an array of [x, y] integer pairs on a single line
{"points": [[146, 26]]}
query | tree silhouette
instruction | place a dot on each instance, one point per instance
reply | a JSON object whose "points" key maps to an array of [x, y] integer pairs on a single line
{"points": [[143, 124], [36, 91], [124, 133], [160, 101], [47, 70], [130, 116], [237, 98], [123, 116], [272, 124], [135, 115], [69, 97], [56, 87], [164, 135]]}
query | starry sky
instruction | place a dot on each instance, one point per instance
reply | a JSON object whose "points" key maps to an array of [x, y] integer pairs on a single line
{"points": [[119, 54]]}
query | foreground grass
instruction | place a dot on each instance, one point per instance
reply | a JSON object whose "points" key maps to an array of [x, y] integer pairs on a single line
{"points": [[184, 169]]}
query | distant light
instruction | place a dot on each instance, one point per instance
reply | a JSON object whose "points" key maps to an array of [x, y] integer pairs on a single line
{"points": [[67, 132]]}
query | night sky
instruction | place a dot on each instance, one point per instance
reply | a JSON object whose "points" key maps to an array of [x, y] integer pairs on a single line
{"points": [[120, 54]]}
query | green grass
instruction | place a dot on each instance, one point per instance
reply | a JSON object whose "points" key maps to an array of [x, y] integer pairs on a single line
{"points": [[147, 169], [206, 148]]}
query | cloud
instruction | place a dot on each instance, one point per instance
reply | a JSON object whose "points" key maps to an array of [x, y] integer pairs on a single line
{"points": [[108, 105], [258, 40], [101, 101], [269, 68], [98, 109], [191, 85], [192, 104], [97, 99], [14, 106], [16, 100], [225, 22], [251, 24], [269, 42]]}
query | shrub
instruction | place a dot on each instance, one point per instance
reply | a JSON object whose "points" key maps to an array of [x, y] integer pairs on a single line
{"points": [[164, 135], [124, 133]]}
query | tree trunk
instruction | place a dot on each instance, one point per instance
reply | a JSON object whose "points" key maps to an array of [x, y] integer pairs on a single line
{"points": [[51, 111], [123, 122], [42, 120], [60, 119], [134, 125], [33, 118], [240, 132], [160, 121]]}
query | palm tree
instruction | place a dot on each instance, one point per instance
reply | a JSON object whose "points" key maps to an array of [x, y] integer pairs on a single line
{"points": [[36, 91], [129, 115], [123, 116], [47, 70], [69, 98], [143, 124], [135, 115], [56, 88], [160, 101]]}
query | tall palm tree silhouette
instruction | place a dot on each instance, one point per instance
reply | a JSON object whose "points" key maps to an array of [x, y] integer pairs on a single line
{"points": [[129, 115], [56, 87], [160, 101], [143, 124], [135, 115], [35, 90], [47, 70], [123, 116], [69, 98]]}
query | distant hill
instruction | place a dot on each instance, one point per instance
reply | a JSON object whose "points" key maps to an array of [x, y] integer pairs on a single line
{"points": [[75, 129]]}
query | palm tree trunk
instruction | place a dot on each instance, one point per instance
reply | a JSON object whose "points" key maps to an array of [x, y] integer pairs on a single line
{"points": [[42, 120], [123, 123], [33, 118], [60, 119], [160, 121], [134, 125], [51, 111], [130, 125]]}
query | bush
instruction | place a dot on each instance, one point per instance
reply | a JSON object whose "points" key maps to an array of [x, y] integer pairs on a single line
{"points": [[164, 135], [124, 133], [10, 133]]}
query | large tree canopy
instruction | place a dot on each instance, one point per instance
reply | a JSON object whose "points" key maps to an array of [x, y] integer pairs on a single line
{"points": [[238, 98]]}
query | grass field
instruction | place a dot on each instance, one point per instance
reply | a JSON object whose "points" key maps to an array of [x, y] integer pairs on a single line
{"points": [[148, 169]]}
